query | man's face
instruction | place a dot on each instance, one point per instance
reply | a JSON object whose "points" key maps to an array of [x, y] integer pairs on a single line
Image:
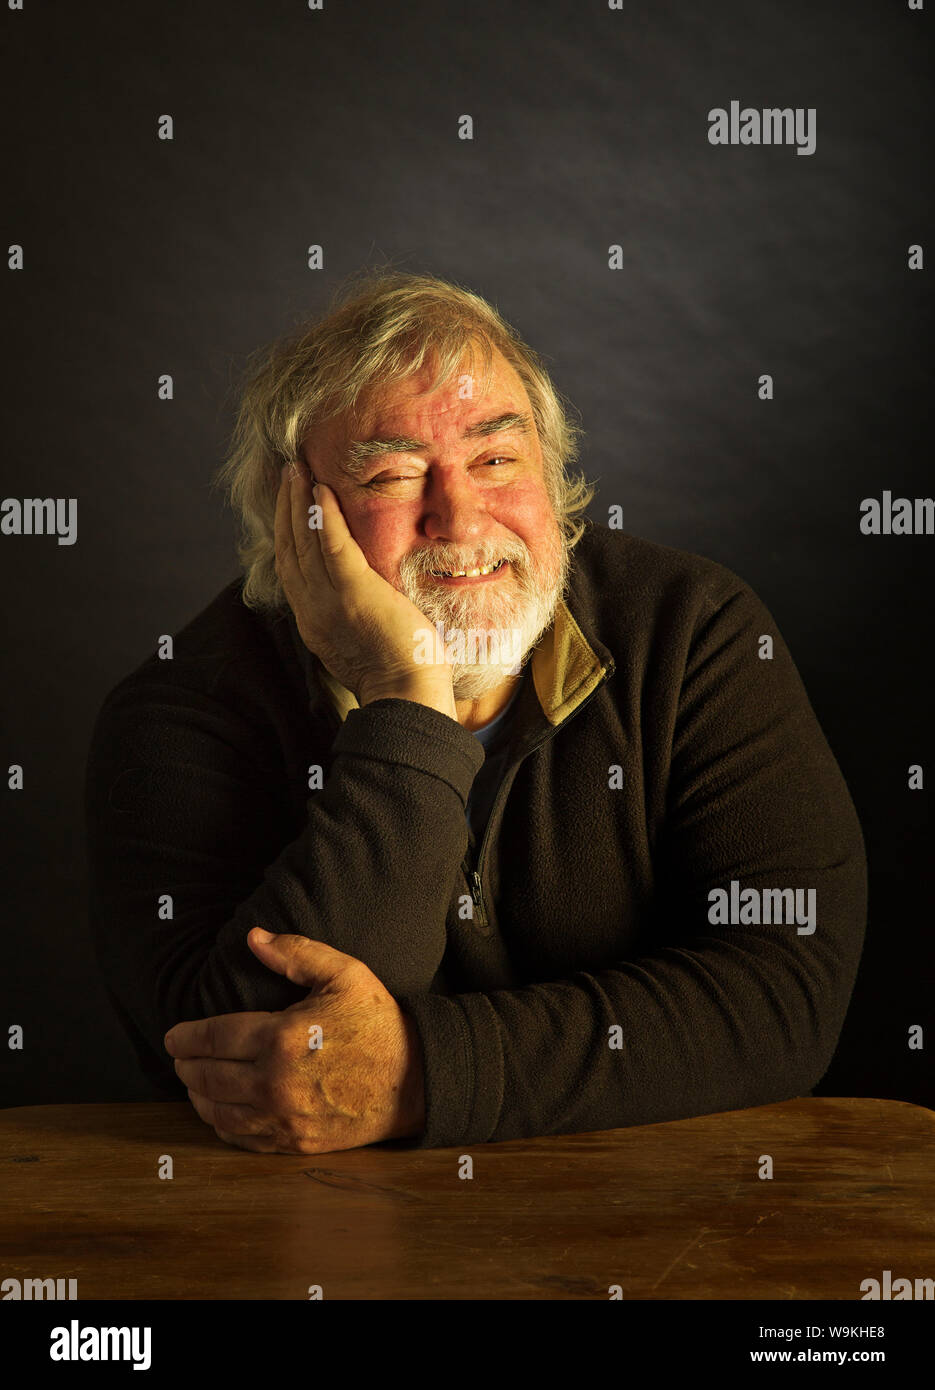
{"points": [[464, 501]]}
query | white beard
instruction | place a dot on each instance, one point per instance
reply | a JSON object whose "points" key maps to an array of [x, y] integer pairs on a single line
{"points": [[511, 613]]}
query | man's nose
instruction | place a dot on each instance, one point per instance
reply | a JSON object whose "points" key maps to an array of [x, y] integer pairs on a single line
{"points": [[454, 508]]}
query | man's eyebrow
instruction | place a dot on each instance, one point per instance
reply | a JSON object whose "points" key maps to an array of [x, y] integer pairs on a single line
{"points": [[361, 451]]}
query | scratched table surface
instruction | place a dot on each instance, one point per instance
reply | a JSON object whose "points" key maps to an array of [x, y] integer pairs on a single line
{"points": [[665, 1211]]}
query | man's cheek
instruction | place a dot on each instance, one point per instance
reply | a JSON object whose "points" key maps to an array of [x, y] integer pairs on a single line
{"points": [[385, 529]]}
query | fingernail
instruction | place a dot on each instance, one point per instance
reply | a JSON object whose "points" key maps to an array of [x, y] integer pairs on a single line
{"points": [[316, 493], [264, 937]]}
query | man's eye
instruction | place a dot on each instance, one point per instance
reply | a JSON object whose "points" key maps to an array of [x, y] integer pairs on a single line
{"points": [[497, 460]]}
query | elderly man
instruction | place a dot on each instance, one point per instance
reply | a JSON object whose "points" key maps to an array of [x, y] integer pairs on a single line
{"points": [[382, 887]]}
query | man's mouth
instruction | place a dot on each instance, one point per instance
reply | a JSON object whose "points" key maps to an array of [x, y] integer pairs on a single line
{"points": [[480, 573]]}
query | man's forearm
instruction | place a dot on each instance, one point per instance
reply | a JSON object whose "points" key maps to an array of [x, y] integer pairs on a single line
{"points": [[370, 873]]}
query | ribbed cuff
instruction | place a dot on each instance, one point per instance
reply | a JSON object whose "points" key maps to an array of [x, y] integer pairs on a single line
{"points": [[413, 735], [463, 1065]]}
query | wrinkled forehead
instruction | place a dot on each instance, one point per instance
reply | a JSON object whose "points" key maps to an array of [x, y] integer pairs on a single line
{"points": [[382, 407], [473, 378]]}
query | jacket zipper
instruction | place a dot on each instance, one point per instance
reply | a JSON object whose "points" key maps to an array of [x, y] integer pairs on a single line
{"points": [[473, 876], [480, 916]]}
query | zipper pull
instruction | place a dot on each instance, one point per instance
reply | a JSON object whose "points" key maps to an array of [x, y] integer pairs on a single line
{"points": [[480, 916]]}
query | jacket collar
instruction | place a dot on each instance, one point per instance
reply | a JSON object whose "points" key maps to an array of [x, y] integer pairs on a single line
{"points": [[566, 669]]}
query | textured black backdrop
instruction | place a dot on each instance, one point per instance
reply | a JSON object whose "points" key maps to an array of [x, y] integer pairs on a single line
{"points": [[339, 127]]}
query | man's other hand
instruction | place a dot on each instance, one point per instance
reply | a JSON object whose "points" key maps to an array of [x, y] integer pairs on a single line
{"points": [[338, 1070]]}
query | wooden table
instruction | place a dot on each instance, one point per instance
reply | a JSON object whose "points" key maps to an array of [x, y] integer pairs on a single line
{"points": [[666, 1211]]}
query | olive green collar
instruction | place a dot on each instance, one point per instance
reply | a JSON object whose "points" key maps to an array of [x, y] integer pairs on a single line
{"points": [[565, 671]]}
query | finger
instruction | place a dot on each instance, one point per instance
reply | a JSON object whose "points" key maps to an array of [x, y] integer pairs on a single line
{"points": [[303, 960], [234, 1083], [258, 1145], [287, 564], [238, 1037], [341, 556], [307, 539], [234, 1119]]}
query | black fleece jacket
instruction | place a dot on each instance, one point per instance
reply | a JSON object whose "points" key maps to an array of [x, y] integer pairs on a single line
{"points": [[565, 975]]}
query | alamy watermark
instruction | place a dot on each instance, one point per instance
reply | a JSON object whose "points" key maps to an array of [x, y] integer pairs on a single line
{"points": [[900, 516], [474, 646], [40, 516], [77, 1343], [773, 125], [896, 1289], [751, 906], [38, 1289]]}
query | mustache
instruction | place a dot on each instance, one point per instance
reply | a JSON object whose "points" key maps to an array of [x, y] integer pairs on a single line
{"points": [[440, 558]]}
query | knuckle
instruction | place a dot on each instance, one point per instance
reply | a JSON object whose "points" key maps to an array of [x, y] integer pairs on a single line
{"points": [[276, 1095], [227, 1116], [283, 1046], [287, 1132], [352, 973]]}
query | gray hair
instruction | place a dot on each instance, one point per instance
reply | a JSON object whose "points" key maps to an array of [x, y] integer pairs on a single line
{"points": [[382, 329]]}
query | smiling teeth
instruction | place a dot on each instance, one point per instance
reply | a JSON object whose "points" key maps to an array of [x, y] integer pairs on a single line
{"points": [[467, 574]]}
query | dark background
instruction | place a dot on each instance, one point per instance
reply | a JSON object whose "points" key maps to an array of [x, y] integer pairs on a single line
{"points": [[339, 127]]}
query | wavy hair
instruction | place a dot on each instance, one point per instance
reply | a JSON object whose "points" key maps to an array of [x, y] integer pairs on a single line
{"points": [[377, 331]]}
